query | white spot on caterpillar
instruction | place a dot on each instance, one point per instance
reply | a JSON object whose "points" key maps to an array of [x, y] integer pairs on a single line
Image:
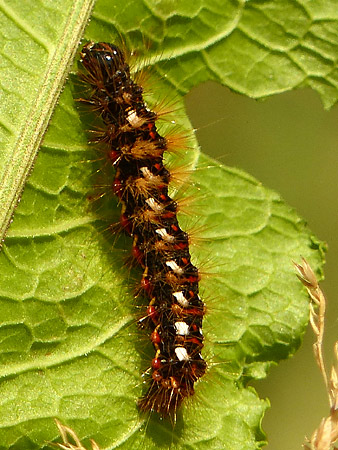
{"points": [[134, 120], [146, 173], [154, 205], [181, 299], [175, 267], [182, 328], [165, 235], [181, 354]]}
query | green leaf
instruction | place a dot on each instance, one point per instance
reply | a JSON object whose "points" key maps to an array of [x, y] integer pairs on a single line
{"points": [[36, 53], [69, 344], [257, 48]]}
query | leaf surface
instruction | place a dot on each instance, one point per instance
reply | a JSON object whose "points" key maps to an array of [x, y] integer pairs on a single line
{"points": [[37, 47]]}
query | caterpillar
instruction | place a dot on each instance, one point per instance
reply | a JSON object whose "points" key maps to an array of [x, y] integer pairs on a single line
{"points": [[149, 216]]}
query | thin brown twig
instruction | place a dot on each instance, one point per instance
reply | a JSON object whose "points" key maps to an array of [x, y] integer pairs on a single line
{"points": [[317, 312], [325, 437], [66, 434]]}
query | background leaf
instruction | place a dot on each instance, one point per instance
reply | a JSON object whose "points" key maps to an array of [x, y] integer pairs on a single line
{"points": [[69, 345]]}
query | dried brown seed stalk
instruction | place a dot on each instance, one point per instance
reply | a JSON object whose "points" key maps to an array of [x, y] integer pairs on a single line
{"points": [[67, 434], [325, 437]]}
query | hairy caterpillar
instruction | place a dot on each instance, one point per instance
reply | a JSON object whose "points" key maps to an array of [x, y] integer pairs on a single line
{"points": [[149, 215]]}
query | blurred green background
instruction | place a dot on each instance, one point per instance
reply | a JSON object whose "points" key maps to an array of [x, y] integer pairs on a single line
{"points": [[289, 143]]}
